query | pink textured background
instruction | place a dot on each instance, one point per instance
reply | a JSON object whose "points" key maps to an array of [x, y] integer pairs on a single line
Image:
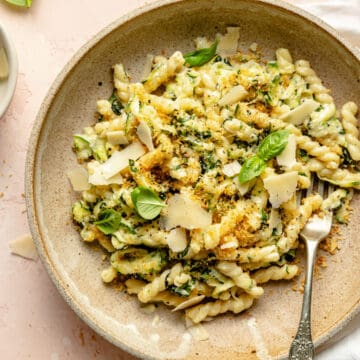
{"points": [[35, 322]]}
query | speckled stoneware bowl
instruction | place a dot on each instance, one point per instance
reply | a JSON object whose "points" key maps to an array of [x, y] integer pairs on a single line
{"points": [[70, 105]]}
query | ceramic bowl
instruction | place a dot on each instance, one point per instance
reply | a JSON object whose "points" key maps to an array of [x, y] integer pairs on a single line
{"points": [[165, 26], [7, 86]]}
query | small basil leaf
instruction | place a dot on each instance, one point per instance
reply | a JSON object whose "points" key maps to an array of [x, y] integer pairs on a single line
{"points": [[251, 168], [147, 203], [201, 56], [273, 145], [111, 221]]}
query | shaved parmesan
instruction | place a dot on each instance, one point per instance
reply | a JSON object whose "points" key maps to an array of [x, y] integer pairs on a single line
{"points": [[176, 240], [185, 212], [24, 246], [79, 179], [4, 65], [288, 157], [243, 188], [119, 160], [96, 176], [228, 43], [229, 245], [281, 187], [143, 131], [190, 302], [117, 137], [300, 113], [232, 168], [234, 95]]}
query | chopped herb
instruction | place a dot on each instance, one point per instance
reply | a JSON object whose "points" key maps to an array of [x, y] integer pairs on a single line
{"points": [[236, 109], [116, 105], [204, 134], [183, 290], [264, 216], [347, 160], [290, 255], [303, 154], [207, 162], [276, 80], [319, 108], [132, 166], [273, 64], [190, 75]]}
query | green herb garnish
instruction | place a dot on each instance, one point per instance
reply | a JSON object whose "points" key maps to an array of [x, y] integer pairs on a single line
{"points": [[273, 145], [201, 56], [24, 3], [251, 168], [147, 203], [111, 221]]}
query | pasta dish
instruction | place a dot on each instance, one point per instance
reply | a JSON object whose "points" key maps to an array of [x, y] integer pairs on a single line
{"points": [[189, 179]]}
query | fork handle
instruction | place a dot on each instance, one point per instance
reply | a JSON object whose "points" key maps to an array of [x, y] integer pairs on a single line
{"points": [[302, 347]]}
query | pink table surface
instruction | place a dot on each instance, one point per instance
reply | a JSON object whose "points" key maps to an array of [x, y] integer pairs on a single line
{"points": [[35, 322]]}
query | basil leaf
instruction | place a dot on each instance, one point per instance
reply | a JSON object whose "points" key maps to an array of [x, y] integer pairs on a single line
{"points": [[251, 168], [201, 56], [111, 221], [24, 3], [273, 145], [147, 203]]}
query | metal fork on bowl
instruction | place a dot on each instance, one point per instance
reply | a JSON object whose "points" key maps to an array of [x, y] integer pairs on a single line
{"points": [[315, 230]]}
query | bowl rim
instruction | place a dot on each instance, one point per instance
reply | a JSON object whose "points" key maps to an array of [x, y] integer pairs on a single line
{"points": [[13, 69], [32, 153]]}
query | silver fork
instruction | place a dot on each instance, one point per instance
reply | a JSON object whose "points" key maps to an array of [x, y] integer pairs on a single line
{"points": [[315, 230]]}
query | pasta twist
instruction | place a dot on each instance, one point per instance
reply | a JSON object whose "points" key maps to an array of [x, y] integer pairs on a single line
{"points": [[292, 230], [200, 312], [330, 159], [349, 122], [149, 291], [240, 278], [121, 82], [247, 255], [164, 69], [284, 61], [285, 272], [340, 177], [320, 92]]}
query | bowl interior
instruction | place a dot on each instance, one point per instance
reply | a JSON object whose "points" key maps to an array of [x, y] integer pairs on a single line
{"points": [[70, 106], [7, 86]]}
